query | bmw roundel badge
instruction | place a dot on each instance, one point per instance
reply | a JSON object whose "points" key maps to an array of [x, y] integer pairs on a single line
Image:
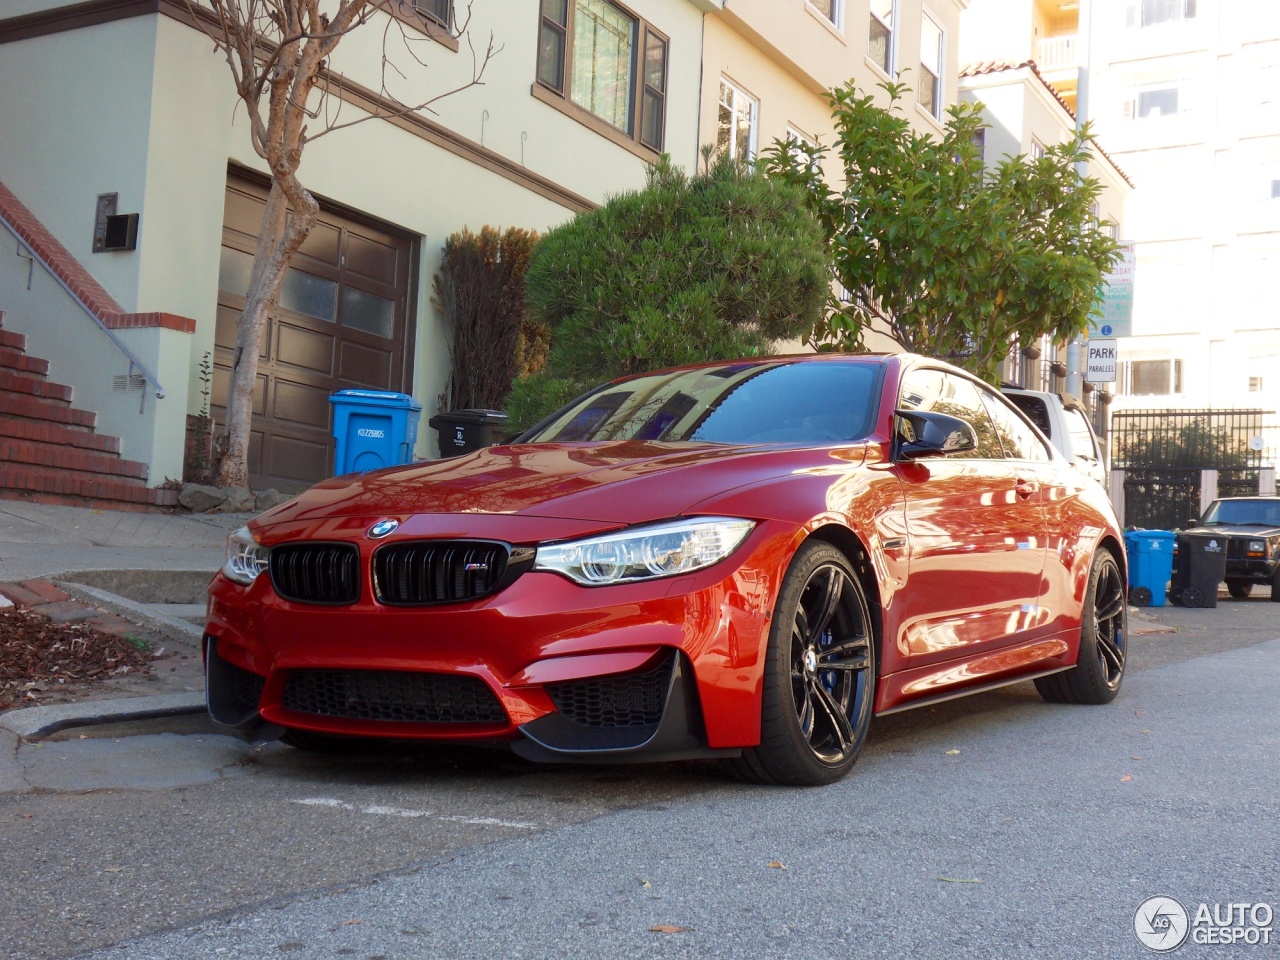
{"points": [[382, 528]]}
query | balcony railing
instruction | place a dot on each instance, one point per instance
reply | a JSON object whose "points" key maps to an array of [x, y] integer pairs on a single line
{"points": [[1057, 53]]}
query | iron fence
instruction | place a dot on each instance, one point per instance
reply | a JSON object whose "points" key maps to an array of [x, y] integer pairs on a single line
{"points": [[1163, 451]]}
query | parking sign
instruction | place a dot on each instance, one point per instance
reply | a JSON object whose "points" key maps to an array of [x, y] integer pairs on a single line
{"points": [[1101, 361]]}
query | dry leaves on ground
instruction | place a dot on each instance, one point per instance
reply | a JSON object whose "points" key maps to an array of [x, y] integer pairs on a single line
{"points": [[39, 656]]}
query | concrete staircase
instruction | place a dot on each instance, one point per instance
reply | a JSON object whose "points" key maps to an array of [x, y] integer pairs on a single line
{"points": [[48, 448]]}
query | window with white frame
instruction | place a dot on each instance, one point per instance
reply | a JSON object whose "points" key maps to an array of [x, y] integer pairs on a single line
{"points": [[832, 10], [798, 137], [1037, 149], [738, 121], [1150, 378], [607, 62], [1153, 13], [932, 53], [1156, 100], [795, 136], [880, 39]]}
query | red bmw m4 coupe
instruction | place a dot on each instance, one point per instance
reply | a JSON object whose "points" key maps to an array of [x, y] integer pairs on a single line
{"points": [[744, 560]]}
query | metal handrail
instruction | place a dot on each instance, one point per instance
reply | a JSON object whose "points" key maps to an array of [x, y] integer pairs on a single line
{"points": [[133, 360]]}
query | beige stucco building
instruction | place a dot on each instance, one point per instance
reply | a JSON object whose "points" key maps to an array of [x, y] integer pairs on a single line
{"points": [[131, 100]]}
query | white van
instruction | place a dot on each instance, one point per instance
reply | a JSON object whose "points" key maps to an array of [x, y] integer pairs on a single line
{"points": [[1066, 423]]}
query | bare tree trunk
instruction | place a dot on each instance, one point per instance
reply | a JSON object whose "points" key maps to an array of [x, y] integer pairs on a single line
{"points": [[290, 214]]}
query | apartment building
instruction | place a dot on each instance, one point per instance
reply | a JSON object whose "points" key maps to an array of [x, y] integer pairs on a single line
{"points": [[767, 65], [1023, 61], [121, 107], [1186, 94]]}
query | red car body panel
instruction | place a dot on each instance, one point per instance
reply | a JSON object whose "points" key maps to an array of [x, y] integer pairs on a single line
{"points": [[975, 575]]}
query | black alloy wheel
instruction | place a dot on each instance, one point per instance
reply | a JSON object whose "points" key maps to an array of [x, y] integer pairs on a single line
{"points": [[1104, 640], [820, 674]]}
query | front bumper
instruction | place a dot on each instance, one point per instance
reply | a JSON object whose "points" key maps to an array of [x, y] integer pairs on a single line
{"points": [[668, 668]]}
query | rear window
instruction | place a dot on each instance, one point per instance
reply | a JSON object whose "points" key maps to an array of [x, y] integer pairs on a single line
{"points": [[1034, 408], [1081, 434]]}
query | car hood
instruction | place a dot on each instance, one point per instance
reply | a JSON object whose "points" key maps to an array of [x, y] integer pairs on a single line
{"points": [[607, 484], [1233, 530]]}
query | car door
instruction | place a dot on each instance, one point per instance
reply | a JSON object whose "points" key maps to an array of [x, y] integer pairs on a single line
{"points": [[974, 534]]}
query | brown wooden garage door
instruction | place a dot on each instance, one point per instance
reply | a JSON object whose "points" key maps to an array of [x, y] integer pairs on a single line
{"points": [[342, 322]]}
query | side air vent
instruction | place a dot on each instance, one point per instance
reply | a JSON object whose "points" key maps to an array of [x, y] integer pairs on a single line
{"points": [[618, 700]]}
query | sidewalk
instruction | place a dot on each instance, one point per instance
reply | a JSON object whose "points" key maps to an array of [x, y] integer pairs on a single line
{"points": [[121, 572]]}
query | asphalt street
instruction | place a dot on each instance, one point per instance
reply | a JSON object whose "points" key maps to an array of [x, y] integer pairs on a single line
{"points": [[997, 826]]}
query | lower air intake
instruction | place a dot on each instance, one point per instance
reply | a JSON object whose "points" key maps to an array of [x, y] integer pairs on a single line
{"points": [[394, 696]]}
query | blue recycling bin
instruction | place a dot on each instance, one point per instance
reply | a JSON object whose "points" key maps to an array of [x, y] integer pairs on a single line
{"points": [[1150, 565], [373, 429]]}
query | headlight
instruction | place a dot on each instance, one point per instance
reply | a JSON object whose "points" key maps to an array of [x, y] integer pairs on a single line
{"points": [[1257, 548], [645, 553], [246, 558]]}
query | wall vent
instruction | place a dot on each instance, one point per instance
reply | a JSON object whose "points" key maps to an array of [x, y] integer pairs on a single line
{"points": [[128, 383]]}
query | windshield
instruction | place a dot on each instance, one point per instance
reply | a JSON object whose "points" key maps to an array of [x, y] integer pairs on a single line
{"points": [[800, 402], [1245, 512]]}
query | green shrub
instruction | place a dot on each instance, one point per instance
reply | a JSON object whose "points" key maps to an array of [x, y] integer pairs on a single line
{"points": [[714, 266]]}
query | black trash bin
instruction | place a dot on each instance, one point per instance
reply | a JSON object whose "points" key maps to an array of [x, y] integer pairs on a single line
{"points": [[1199, 566], [462, 431]]}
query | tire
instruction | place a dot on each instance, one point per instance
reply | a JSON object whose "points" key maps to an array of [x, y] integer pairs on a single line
{"points": [[1275, 589], [1104, 629], [1239, 589], [819, 675]]}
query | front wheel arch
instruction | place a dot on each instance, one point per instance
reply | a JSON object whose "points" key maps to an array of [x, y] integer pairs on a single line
{"points": [[855, 551]]}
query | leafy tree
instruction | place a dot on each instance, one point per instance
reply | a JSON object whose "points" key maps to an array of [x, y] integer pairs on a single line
{"points": [[952, 259], [716, 265], [279, 53]]}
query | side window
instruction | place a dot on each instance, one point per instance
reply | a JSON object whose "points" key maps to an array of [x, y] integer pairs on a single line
{"points": [[1019, 440], [1082, 443], [940, 392]]}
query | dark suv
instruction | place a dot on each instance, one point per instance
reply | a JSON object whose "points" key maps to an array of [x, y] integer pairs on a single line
{"points": [[1251, 527]]}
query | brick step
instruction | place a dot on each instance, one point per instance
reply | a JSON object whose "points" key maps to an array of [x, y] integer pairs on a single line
{"points": [[11, 382], [19, 361], [15, 341], [42, 431], [69, 458], [69, 485], [38, 408]]}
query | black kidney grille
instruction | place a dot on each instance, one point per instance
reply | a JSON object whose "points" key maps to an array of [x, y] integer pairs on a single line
{"points": [[620, 700], [438, 571], [392, 696], [316, 572]]}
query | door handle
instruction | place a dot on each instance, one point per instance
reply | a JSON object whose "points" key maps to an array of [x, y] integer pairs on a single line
{"points": [[1027, 488]]}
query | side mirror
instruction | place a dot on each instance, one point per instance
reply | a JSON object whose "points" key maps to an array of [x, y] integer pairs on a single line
{"points": [[934, 435]]}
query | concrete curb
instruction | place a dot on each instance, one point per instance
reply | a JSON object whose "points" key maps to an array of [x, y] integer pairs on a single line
{"points": [[33, 723], [143, 614]]}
